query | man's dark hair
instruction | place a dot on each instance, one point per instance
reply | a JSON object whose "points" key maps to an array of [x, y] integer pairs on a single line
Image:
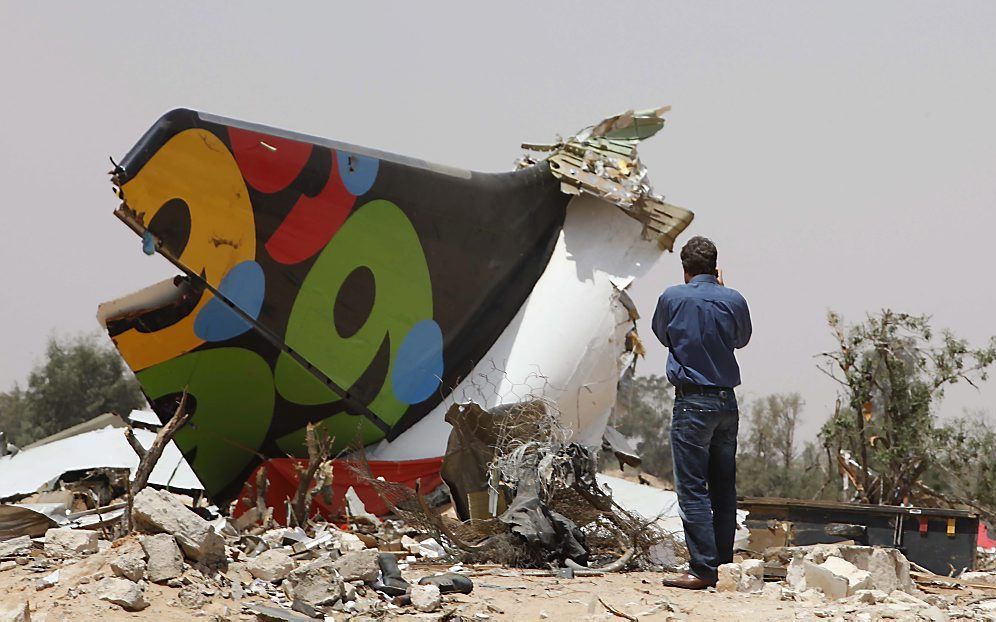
{"points": [[698, 256]]}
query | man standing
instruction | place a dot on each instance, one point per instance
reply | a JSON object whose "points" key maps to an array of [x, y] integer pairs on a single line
{"points": [[701, 323]]}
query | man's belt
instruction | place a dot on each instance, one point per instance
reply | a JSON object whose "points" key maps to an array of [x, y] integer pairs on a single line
{"points": [[696, 389]]}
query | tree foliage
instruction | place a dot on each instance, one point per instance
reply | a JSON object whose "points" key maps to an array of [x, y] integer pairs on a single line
{"points": [[643, 414], [769, 463], [892, 371], [79, 378]]}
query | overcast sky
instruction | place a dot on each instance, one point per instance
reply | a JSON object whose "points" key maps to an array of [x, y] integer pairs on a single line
{"points": [[842, 155]]}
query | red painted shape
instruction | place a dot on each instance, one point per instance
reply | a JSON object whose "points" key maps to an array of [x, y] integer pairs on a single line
{"points": [[923, 525], [985, 542], [283, 483], [268, 169], [312, 221]]}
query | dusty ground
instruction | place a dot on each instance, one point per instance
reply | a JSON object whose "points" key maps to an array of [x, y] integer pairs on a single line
{"points": [[499, 594]]}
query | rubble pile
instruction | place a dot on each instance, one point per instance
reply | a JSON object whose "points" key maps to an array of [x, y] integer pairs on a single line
{"points": [[383, 569]]}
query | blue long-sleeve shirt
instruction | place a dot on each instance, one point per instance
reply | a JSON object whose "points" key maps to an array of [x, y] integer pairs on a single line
{"points": [[701, 323]]}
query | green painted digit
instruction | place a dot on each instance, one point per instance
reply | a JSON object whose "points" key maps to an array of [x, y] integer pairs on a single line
{"points": [[380, 237], [233, 389]]}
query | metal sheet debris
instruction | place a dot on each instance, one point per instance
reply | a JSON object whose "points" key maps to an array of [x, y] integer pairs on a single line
{"points": [[45, 461], [602, 161]]}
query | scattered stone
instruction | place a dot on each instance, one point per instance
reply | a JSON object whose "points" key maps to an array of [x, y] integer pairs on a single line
{"points": [[772, 591], [272, 565], [62, 542], [20, 545], [856, 578], [158, 511], [358, 566], [989, 578], [349, 542], [824, 580], [7, 565], [729, 578], [20, 613], [266, 613], [751, 576], [190, 596], [317, 583], [426, 598], [165, 560], [130, 565], [122, 592], [47, 581], [870, 597]]}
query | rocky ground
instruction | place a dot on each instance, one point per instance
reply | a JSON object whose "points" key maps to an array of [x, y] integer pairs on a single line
{"points": [[179, 567]]}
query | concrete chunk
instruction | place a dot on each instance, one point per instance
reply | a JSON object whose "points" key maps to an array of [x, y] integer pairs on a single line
{"points": [[20, 545], [426, 598], [729, 578], [272, 565], [130, 565], [122, 592], [358, 565], [157, 511], [820, 578], [316, 583], [856, 578], [751, 576], [19, 613], [165, 560], [61, 542]]}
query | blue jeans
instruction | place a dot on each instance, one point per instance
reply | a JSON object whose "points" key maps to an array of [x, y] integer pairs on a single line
{"points": [[704, 446]]}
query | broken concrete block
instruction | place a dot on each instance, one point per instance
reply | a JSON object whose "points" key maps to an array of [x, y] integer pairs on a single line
{"points": [[272, 565], [870, 597], [795, 574], [890, 570], [751, 576], [856, 578], [129, 565], [61, 542], [157, 511], [122, 592], [989, 578], [729, 578], [824, 580], [165, 560], [19, 613], [425, 598], [20, 545], [358, 566], [191, 597], [349, 542], [317, 583]]}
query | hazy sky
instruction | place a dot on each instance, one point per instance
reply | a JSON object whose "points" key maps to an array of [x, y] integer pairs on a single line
{"points": [[842, 155]]}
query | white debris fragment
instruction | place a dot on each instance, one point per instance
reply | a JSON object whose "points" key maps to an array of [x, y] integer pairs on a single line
{"points": [[273, 565], [127, 594], [47, 581], [426, 598]]}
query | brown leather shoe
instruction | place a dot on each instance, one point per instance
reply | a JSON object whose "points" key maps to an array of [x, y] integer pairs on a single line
{"points": [[688, 582]]}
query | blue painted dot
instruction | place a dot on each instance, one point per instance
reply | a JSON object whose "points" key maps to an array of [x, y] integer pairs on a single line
{"points": [[358, 172], [245, 287], [418, 366]]}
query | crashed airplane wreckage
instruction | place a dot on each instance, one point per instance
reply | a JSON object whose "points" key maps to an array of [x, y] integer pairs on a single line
{"points": [[367, 293]]}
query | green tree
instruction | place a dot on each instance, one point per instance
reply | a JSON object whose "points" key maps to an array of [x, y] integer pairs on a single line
{"points": [[768, 460], [965, 460], [79, 378], [643, 414], [892, 371]]}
